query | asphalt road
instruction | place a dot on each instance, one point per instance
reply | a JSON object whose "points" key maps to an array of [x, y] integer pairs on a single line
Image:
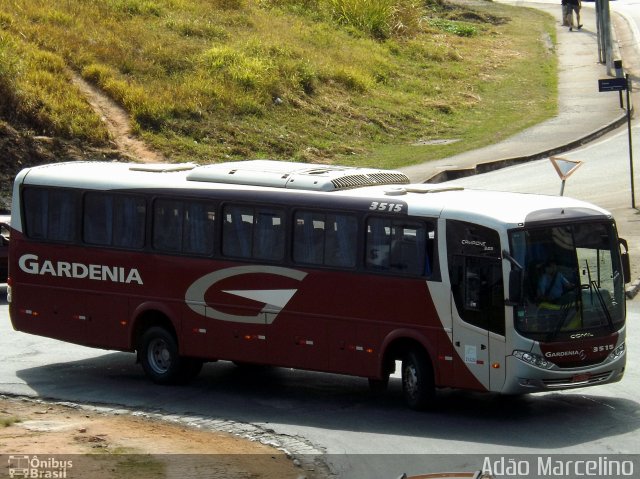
{"points": [[360, 435]]}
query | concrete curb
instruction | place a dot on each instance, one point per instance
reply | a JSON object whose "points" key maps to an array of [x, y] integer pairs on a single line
{"points": [[455, 173]]}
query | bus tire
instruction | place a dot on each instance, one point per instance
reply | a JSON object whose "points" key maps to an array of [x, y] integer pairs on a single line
{"points": [[160, 359], [418, 385]]}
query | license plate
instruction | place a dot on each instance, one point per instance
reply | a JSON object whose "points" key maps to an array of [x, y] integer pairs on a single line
{"points": [[579, 378]]}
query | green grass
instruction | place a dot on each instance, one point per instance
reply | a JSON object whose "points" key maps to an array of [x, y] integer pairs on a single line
{"points": [[7, 421], [35, 84], [344, 81]]}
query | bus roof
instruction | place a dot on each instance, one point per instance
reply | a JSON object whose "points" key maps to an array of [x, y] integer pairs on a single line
{"points": [[289, 178]]}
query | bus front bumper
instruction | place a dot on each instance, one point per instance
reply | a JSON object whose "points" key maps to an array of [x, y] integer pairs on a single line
{"points": [[526, 378]]}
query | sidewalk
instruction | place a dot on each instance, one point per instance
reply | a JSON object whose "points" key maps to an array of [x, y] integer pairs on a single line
{"points": [[584, 114]]}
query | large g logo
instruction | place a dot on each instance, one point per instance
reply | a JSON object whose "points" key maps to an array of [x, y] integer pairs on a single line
{"points": [[274, 299]]}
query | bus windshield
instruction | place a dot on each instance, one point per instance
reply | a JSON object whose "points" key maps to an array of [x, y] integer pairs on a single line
{"points": [[572, 281]]}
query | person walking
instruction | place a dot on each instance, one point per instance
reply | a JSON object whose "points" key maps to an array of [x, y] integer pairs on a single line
{"points": [[565, 13], [574, 6]]}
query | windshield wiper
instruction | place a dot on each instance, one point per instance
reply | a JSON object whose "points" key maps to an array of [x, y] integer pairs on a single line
{"points": [[603, 305], [564, 310], [593, 286]]}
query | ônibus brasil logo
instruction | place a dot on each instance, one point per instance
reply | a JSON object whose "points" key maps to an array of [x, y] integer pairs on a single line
{"points": [[274, 300]]}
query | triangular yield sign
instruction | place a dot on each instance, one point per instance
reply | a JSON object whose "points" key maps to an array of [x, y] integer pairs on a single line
{"points": [[564, 167]]}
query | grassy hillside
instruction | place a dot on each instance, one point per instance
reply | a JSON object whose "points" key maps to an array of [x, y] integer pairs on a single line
{"points": [[346, 81]]}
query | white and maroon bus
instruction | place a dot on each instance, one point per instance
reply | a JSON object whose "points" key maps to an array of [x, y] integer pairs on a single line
{"points": [[336, 269]]}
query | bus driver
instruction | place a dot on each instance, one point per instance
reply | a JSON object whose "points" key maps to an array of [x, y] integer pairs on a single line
{"points": [[552, 284]]}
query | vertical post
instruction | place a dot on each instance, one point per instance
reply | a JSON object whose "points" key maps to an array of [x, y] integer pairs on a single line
{"points": [[562, 187], [633, 194], [617, 65], [600, 32], [608, 42]]}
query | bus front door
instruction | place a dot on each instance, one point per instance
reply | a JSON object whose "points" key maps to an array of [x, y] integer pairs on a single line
{"points": [[478, 323], [471, 343], [477, 289]]}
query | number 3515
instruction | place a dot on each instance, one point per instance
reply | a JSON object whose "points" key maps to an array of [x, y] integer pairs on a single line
{"points": [[389, 207]]}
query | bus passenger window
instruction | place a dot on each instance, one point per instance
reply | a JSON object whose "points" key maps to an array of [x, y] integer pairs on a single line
{"points": [[308, 237], [167, 225], [236, 231], [197, 232], [114, 220], [183, 226], [268, 235], [36, 211], [50, 214], [399, 246], [340, 241], [253, 233], [325, 239], [378, 244], [97, 219], [129, 222]]}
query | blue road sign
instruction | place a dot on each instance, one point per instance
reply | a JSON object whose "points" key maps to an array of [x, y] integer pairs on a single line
{"points": [[612, 84]]}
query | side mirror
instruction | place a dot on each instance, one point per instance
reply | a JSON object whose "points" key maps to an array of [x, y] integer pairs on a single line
{"points": [[515, 287], [515, 280], [625, 260]]}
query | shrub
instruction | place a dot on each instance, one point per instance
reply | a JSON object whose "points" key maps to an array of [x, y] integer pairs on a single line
{"points": [[462, 29], [381, 19]]}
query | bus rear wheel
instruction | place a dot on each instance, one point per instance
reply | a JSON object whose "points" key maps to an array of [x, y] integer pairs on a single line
{"points": [[160, 359], [418, 385]]}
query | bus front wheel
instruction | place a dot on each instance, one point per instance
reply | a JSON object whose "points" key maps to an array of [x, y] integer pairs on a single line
{"points": [[161, 361], [418, 385]]}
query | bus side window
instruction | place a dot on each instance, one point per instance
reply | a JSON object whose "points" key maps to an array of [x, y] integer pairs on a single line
{"points": [[409, 248], [183, 226], [198, 227], [378, 244], [114, 220], [129, 224], [268, 234], [400, 246], [63, 212], [51, 213], [325, 239], [167, 225], [97, 219], [340, 241], [236, 231], [308, 237], [253, 232]]}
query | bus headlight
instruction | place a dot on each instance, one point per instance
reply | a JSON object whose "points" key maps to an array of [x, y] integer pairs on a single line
{"points": [[616, 353], [533, 359]]}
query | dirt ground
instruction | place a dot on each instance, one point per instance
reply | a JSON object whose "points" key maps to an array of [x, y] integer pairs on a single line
{"points": [[105, 445]]}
